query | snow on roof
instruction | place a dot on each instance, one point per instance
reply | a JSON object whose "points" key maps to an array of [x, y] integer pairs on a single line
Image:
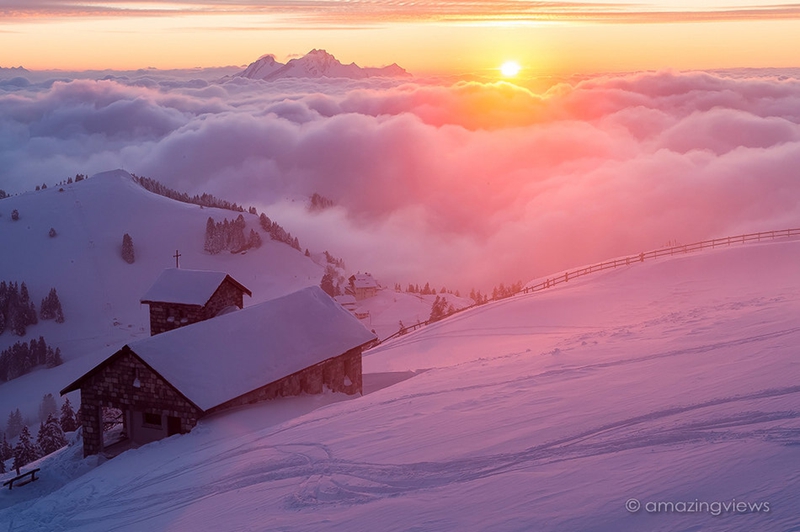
{"points": [[364, 280], [188, 287], [345, 300], [216, 360]]}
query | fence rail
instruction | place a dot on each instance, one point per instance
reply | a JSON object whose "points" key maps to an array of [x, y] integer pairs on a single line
{"points": [[663, 252], [550, 282]]}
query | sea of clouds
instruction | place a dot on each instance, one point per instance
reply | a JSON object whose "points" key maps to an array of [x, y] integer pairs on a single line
{"points": [[459, 183]]}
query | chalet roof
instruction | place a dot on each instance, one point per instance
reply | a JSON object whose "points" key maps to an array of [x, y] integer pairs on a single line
{"points": [[188, 287], [363, 280], [214, 361], [345, 300]]}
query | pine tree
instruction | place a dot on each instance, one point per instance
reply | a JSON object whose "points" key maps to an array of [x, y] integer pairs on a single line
{"points": [[52, 232], [25, 452], [67, 420], [265, 222], [127, 249], [439, 309], [51, 307], [48, 407], [6, 451], [14, 425], [39, 351], [54, 357], [254, 240], [15, 215], [40, 435], [327, 284], [52, 436]]}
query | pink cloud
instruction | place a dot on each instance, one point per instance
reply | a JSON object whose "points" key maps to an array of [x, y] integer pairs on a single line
{"points": [[462, 185]]}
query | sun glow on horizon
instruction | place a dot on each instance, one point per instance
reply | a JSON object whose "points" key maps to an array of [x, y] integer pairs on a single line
{"points": [[510, 69]]}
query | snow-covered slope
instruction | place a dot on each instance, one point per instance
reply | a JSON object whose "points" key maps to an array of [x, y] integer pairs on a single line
{"points": [[315, 64], [672, 381], [388, 308], [98, 290]]}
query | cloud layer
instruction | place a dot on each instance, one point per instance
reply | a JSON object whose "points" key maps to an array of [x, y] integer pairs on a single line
{"points": [[464, 185]]}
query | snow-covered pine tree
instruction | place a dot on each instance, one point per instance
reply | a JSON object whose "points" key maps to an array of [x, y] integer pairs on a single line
{"points": [[236, 239], [18, 321], [127, 249], [40, 435], [327, 284], [15, 215], [67, 419], [45, 311], [39, 351], [59, 311], [26, 451], [211, 228], [53, 437], [254, 240], [265, 222], [439, 309], [54, 357], [51, 307], [48, 407]]}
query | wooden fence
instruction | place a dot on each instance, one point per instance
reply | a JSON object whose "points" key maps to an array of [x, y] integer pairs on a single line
{"points": [[624, 261]]}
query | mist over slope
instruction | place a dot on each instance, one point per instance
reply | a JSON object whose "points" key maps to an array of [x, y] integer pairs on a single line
{"points": [[670, 381]]}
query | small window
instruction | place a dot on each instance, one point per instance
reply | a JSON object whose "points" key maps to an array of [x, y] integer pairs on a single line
{"points": [[152, 419]]}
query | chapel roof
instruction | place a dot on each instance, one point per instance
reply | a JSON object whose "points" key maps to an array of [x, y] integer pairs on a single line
{"points": [[188, 287]]}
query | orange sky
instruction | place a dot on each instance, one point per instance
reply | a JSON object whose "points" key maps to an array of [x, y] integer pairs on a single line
{"points": [[454, 37]]}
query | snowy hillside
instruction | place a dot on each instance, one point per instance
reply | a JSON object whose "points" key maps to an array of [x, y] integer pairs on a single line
{"points": [[673, 381], [315, 64], [98, 290], [388, 308]]}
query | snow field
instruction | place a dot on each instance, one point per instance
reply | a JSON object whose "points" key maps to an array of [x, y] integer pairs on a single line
{"points": [[673, 380]]}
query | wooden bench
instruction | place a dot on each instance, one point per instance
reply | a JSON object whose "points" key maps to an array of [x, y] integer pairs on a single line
{"points": [[31, 473]]}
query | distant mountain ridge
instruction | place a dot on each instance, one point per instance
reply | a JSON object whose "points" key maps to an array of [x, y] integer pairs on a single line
{"points": [[315, 64]]}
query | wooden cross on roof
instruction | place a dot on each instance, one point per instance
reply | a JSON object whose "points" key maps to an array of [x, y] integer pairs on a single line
{"points": [[177, 256]]}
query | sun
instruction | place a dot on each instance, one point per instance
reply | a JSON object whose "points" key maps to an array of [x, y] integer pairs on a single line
{"points": [[509, 69]]}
